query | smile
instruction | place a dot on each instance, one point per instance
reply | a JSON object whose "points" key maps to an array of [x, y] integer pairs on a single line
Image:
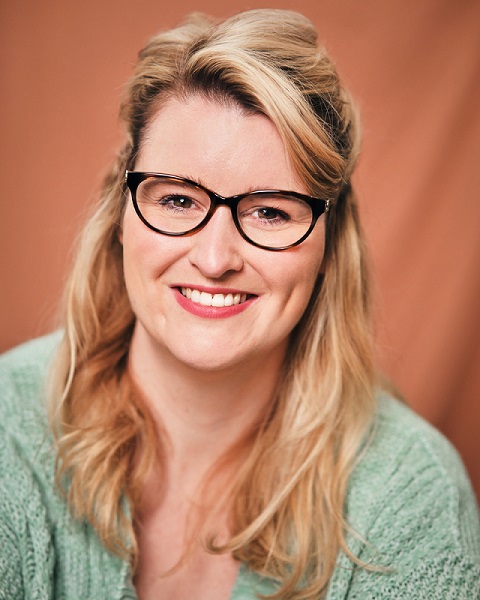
{"points": [[216, 300]]}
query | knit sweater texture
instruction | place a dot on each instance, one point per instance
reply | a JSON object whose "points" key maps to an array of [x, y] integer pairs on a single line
{"points": [[409, 497]]}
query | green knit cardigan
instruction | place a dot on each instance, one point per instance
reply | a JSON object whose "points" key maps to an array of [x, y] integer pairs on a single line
{"points": [[409, 497]]}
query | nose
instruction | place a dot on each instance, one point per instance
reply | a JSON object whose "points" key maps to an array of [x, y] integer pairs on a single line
{"points": [[216, 249]]}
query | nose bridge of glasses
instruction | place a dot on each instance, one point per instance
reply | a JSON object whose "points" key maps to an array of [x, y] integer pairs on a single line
{"points": [[220, 228], [231, 202], [219, 200]]}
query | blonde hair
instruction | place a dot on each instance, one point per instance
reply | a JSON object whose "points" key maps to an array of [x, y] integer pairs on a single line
{"points": [[287, 500]]}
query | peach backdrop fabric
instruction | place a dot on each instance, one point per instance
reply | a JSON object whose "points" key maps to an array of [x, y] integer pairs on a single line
{"points": [[414, 68]]}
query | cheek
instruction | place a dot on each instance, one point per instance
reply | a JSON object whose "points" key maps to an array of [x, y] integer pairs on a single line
{"points": [[300, 274], [140, 259], [141, 246], [134, 247], [295, 282], [307, 263], [304, 289], [147, 254]]}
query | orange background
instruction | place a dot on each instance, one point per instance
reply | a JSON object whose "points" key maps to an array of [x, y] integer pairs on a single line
{"points": [[414, 67]]}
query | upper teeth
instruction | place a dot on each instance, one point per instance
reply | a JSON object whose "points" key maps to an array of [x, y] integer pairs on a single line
{"points": [[217, 300]]}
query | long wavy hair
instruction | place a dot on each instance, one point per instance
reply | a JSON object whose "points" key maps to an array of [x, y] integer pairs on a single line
{"points": [[287, 500]]}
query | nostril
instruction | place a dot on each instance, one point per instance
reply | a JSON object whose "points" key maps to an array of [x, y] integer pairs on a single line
{"points": [[217, 248]]}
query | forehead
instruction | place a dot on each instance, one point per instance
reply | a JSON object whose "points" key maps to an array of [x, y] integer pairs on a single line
{"points": [[218, 144]]}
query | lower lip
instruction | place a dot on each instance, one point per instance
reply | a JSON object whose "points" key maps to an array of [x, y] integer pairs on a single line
{"points": [[211, 312]]}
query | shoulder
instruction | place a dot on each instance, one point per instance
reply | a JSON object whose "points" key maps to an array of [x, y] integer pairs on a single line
{"points": [[23, 372], [29, 357], [24, 432], [406, 450], [44, 551], [26, 446], [26, 557], [27, 453], [413, 508], [407, 469]]}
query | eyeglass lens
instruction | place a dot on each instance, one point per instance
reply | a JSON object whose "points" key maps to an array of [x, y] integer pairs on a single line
{"points": [[269, 219]]}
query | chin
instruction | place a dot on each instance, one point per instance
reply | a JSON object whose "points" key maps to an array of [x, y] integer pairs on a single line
{"points": [[211, 362]]}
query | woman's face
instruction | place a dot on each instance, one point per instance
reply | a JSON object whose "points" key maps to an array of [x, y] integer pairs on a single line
{"points": [[169, 279]]}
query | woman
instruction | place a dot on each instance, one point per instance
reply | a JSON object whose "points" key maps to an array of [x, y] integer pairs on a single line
{"points": [[217, 426]]}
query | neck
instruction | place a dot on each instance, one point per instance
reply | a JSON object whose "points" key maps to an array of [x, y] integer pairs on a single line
{"points": [[201, 414]]}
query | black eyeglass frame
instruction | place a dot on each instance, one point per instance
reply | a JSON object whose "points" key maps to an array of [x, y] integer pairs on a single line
{"points": [[318, 206]]}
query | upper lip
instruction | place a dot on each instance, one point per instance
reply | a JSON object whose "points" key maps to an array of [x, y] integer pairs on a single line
{"points": [[212, 290]]}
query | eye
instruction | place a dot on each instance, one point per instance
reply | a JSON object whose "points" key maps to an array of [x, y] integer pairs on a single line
{"points": [[170, 195], [273, 212], [176, 202], [269, 213], [264, 215]]}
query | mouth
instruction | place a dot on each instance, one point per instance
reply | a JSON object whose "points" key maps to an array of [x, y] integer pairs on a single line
{"points": [[215, 300]]}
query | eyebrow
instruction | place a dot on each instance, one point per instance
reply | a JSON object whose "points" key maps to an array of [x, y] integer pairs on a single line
{"points": [[248, 190]]}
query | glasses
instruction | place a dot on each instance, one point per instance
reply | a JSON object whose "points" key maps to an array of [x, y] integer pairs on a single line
{"points": [[269, 219]]}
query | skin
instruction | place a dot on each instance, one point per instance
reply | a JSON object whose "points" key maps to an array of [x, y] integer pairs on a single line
{"points": [[207, 379]]}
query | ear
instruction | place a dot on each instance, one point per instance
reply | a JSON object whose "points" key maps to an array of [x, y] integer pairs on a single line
{"points": [[321, 270], [120, 232], [120, 224], [323, 264]]}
